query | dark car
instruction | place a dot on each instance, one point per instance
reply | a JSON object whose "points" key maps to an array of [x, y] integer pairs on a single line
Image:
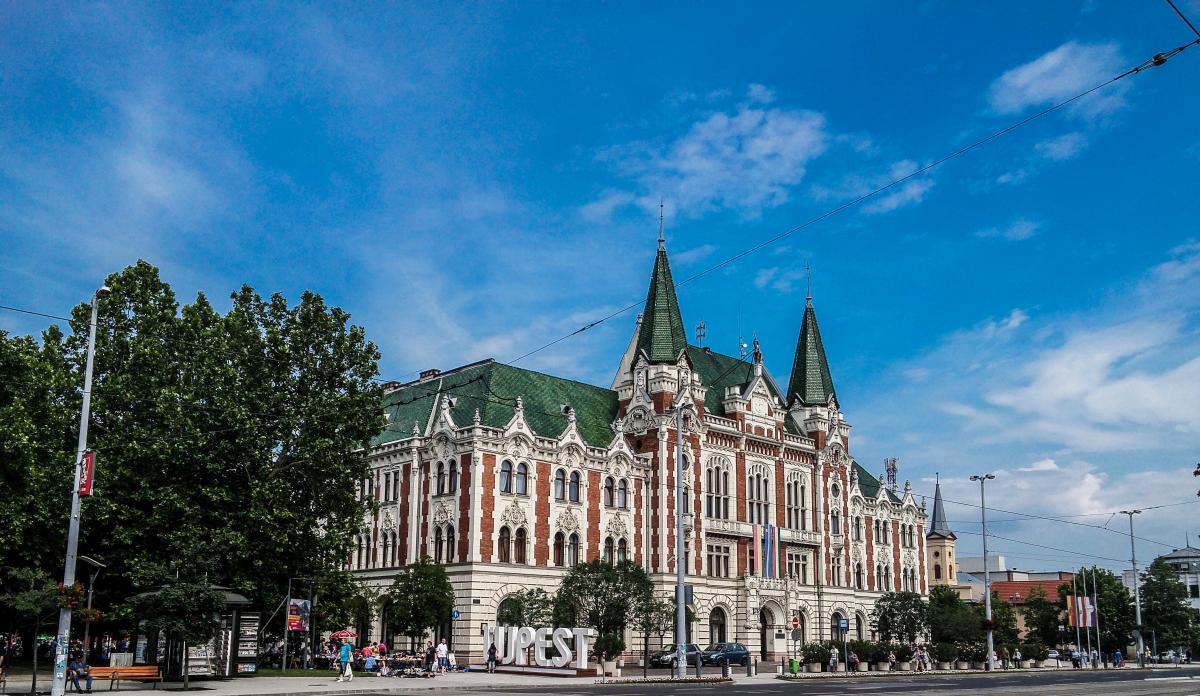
{"points": [[667, 656], [726, 653]]}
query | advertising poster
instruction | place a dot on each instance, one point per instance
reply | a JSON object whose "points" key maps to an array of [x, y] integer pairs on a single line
{"points": [[298, 615]]}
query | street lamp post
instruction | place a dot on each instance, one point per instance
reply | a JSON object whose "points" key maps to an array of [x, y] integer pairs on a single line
{"points": [[62, 639], [97, 566], [680, 557], [987, 577], [1137, 594]]}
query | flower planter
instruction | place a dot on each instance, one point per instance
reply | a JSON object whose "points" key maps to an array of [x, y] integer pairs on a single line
{"points": [[610, 667], [962, 664], [943, 666], [860, 667], [905, 666], [883, 666], [978, 665], [1039, 663]]}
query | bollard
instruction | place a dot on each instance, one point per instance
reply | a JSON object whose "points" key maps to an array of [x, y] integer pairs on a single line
{"points": [[726, 670], [698, 662], [749, 668]]}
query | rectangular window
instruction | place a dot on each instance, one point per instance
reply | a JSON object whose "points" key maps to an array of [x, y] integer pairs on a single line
{"points": [[1195, 589], [797, 566], [718, 560]]}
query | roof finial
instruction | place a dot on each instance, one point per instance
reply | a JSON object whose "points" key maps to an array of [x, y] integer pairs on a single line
{"points": [[661, 242], [808, 271]]}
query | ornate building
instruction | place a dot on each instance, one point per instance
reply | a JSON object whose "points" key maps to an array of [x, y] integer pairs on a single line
{"points": [[509, 476]]}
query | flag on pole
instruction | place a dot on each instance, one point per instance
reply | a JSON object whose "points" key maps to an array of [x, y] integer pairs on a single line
{"points": [[1081, 612], [88, 473]]}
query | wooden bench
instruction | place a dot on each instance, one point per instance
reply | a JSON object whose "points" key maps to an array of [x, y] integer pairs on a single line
{"points": [[115, 675]]}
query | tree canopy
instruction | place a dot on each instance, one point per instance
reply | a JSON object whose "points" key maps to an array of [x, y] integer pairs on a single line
{"points": [[1042, 617], [228, 444], [951, 620], [900, 616], [1115, 602], [1165, 608], [421, 598], [529, 607], [601, 595]]}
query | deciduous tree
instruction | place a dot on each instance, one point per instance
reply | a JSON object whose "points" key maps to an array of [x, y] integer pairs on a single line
{"points": [[421, 598], [900, 616]]}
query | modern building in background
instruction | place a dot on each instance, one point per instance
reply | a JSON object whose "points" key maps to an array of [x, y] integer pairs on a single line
{"points": [[1186, 562], [510, 476]]}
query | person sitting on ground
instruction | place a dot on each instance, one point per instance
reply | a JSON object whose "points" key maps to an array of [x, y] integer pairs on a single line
{"points": [[77, 669]]}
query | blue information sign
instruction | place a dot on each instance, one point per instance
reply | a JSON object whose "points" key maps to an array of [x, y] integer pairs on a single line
{"points": [[455, 614]]}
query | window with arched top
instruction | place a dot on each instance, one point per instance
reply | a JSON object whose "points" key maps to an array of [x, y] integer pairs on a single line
{"points": [[758, 502], [623, 494], [858, 576], [835, 523], [573, 487], [451, 549], [609, 549], [437, 544], [519, 543], [716, 488], [504, 553], [506, 476], [610, 491], [521, 482], [560, 484], [560, 549], [622, 551], [835, 492], [452, 484], [441, 478], [937, 571], [573, 550]]}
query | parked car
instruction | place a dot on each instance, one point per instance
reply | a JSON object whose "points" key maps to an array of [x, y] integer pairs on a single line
{"points": [[667, 656], [726, 653], [1053, 655]]}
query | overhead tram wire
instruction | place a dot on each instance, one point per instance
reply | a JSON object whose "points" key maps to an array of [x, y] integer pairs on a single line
{"points": [[1155, 61], [1050, 548], [1186, 21]]}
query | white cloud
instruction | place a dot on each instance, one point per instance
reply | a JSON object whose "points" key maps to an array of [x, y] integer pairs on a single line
{"points": [[1064, 147], [1060, 74], [693, 255], [746, 161], [760, 94], [601, 210], [1018, 230], [780, 280], [1041, 465], [910, 192]]}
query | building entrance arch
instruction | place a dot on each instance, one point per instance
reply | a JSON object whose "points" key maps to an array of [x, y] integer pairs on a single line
{"points": [[716, 626], [766, 625]]}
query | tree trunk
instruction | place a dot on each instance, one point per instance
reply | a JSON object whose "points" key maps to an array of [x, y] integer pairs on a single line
{"points": [[186, 665], [37, 623]]}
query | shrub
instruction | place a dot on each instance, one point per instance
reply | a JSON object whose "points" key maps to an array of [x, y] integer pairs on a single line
{"points": [[862, 648], [815, 652], [904, 652], [882, 650], [972, 652], [609, 646], [1034, 651], [943, 652]]}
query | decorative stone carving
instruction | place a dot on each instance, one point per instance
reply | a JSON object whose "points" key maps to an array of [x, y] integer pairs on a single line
{"points": [[441, 514], [616, 527], [514, 515], [567, 521], [388, 522]]}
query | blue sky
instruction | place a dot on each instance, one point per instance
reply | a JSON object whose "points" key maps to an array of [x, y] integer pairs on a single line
{"points": [[475, 180]]}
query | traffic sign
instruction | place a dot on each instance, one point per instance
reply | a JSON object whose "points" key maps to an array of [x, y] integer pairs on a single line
{"points": [[795, 622], [797, 635], [455, 614], [844, 624]]}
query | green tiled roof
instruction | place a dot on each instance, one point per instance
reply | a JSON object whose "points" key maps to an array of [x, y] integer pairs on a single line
{"points": [[868, 484], [719, 371], [492, 388], [811, 382], [661, 335]]}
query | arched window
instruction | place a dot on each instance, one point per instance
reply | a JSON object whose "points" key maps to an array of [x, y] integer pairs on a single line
{"points": [[887, 578], [573, 488], [622, 551], [519, 546], [937, 571], [441, 478], [573, 550], [610, 491], [709, 498], [835, 523], [858, 529], [437, 544], [803, 507], [395, 549], [758, 505], [522, 479], [505, 551], [559, 549], [858, 627], [835, 492], [878, 578], [506, 471], [560, 485], [451, 551], [387, 484], [453, 485], [623, 494], [858, 576], [396, 486], [609, 549]]}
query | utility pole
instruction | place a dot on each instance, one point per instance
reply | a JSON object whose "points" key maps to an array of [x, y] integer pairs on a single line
{"points": [[987, 576], [97, 566], [63, 638], [1137, 593]]}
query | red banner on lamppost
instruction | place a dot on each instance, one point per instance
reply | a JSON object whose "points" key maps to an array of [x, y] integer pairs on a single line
{"points": [[88, 474]]}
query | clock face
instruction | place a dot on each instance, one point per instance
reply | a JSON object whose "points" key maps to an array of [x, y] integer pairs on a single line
{"points": [[758, 407]]}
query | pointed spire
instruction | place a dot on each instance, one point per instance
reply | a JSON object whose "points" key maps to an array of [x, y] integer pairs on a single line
{"points": [[937, 524], [661, 334], [662, 243], [810, 384]]}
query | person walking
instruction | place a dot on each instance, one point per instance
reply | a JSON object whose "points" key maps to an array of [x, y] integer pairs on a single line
{"points": [[345, 655], [430, 656], [833, 659], [1118, 659], [891, 660], [491, 658]]}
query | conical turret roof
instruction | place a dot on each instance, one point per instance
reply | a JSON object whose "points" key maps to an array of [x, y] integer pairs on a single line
{"points": [[937, 524], [811, 384], [661, 334]]}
